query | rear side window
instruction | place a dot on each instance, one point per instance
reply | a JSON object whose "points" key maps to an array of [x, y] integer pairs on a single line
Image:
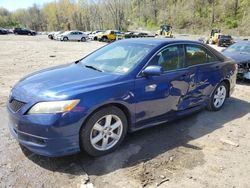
{"points": [[196, 55], [170, 58]]}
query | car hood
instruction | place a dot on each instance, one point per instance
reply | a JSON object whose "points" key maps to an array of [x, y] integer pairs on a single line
{"points": [[61, 82], [237, 56]]}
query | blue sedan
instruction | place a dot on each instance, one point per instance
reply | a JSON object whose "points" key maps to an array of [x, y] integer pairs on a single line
{"points": [[125, 86]]}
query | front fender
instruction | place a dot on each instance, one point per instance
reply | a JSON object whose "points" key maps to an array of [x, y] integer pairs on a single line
{"points": [[120, 95]]}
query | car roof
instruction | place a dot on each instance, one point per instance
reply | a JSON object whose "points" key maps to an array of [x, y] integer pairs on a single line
{"points": [[159, 41]]}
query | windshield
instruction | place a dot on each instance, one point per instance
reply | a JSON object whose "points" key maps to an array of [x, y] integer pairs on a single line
{"points": [[239, 47], [117, 58]]}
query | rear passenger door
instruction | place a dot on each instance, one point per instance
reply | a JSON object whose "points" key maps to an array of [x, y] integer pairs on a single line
{"points": [[206, 68]]}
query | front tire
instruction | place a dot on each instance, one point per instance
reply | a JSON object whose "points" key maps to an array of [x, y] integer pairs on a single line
{"points": [[83, 39], [65, 39], [104, 131], [218, 97]]}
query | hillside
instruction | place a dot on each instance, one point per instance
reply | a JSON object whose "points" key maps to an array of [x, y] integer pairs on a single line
{"points": [[193, 16]]}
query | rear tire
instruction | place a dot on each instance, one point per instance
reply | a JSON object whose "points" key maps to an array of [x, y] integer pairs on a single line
{"points": [[104, 131], [218, 97]]}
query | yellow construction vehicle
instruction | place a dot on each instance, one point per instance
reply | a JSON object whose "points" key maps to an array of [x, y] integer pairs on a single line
{"points": [[213, 38], [166, 31]]}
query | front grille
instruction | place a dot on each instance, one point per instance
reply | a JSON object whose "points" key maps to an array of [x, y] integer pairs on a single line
{"points": [[15, 105]]}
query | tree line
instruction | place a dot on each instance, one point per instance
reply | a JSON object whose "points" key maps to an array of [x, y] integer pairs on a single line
{"points": [[194, 16]]}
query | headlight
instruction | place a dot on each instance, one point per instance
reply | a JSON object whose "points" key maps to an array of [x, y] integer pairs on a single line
{"points": [[53, 107]]}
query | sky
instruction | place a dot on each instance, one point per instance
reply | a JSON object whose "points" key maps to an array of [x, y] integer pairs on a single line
{"points": [[12, 5]]}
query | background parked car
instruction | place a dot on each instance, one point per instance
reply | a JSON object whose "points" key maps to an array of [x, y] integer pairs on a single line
{"points": [[23, 31], [3, 31], [132, 34], [93, 35], [50, 35], [73, 36], [110, 35], [240, 52], [129, 34], [53, 35], [119, 35], [225, 40], [106, 36], [87, 32]]}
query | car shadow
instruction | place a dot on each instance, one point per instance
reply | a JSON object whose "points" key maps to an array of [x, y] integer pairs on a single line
{"points": [[243, 82], [146, 144]]}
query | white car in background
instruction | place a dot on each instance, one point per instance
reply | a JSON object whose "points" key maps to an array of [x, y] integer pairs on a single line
{"points": [[52, 35], [93, 35], [87, 32], [72, 35]]}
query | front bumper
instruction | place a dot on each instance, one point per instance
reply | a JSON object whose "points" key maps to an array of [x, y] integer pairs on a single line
{"points": [[44, 146], [50, 135]]}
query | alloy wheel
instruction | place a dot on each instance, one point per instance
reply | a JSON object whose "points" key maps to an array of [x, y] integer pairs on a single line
{"points": [[220, 96], [106, 132]]}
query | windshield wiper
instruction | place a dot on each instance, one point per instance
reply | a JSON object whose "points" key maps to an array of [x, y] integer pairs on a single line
{"points": [[92, 67]]}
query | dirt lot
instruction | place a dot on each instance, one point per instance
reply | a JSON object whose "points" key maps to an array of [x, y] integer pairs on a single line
{"points": [[207, 149]]}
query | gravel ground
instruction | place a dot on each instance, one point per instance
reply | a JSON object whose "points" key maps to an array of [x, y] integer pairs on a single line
{"points": [[206, 149]]}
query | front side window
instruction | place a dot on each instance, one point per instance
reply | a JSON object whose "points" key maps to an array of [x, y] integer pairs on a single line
{"points": [[117, 58], [170, 58], [196, 55]]}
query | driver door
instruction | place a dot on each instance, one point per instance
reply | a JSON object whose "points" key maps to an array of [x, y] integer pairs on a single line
{"points": [[158, 96]]}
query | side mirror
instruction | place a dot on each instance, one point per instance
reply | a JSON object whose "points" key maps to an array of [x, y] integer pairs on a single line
{"points": [[152, 70]]}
